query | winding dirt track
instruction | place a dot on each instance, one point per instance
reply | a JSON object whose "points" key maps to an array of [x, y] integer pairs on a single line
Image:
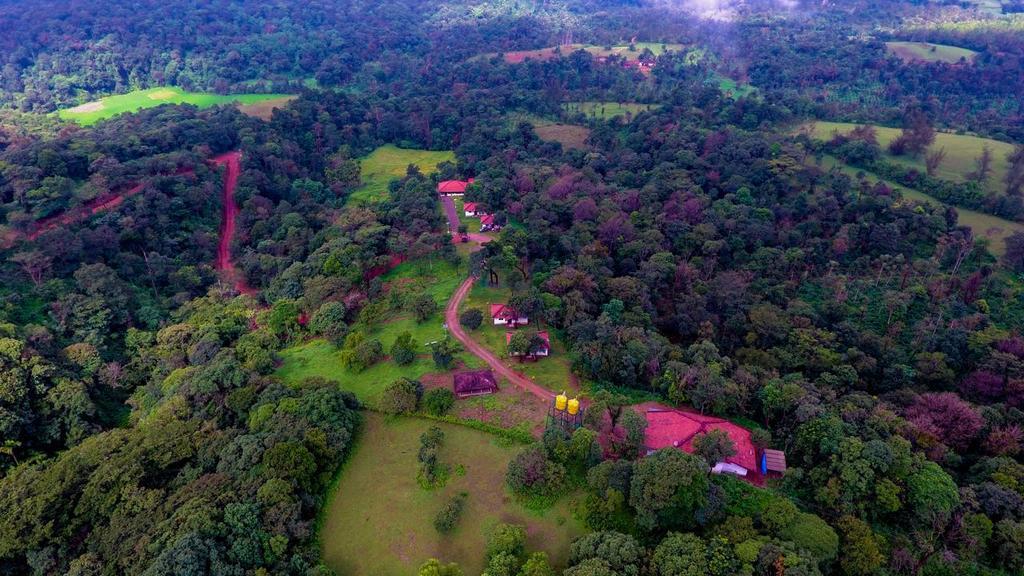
{"points": [[232, 163], [451, 316]]}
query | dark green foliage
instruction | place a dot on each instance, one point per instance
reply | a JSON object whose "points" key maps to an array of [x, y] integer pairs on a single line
{"points": [[329, 321], [438, 401], [667, 489], [403, 350], [448, 517], [423, 307], [533, 473], [471, 318], [432, 472], [619, 552], [401, 396]]}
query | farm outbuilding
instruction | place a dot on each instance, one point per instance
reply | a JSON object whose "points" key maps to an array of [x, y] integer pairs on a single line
{"points": [[474, 383], [505, 315], [773, 461], [545, 350], [473, 209], [453, 187]]}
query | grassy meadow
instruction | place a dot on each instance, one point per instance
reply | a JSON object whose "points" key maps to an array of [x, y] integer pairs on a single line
{"points": [[323, 359], [983, 225], [390, 162], [608, 110], [961, 151], [93, 112], [927, 52], [264, 109], [379, 521]]}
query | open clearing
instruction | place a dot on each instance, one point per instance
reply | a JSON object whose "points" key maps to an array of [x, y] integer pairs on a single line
{"points": [[621, 50], [927, 52], [265, 110], [731, 87], [390, 162], [320, 358], [608, 110], [380, 521], [983, 225], [961, 151], [93, 112]]}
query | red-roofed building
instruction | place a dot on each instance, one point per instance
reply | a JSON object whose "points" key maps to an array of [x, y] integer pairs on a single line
{"points": [[505, 315], [677, 428], [487, 223], [474, 383], [452, 187], [472, 209], [543, 351]]}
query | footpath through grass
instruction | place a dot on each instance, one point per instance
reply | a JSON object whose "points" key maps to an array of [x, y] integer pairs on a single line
{"points": [[961, 152], [390, 162], [93, 112], [379, 521]]}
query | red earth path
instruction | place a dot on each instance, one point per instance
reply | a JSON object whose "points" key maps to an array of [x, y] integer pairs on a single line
{"points": [[232, 163]]}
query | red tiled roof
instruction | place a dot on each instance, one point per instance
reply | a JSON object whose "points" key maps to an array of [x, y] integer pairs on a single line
{"points": [[470, 206], [677, 428], [452, 187], [474, 382], [487, 220], [502, 311]]}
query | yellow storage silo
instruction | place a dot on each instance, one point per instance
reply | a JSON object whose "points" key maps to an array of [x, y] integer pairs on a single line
{"points": [[560, 401], [574, 406]]}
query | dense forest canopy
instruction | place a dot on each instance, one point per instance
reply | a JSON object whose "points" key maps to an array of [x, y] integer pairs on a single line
{"points": [[668, 215]]}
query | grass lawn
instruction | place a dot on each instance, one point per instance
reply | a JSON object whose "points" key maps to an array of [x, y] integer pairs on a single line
{"points": [[264, 110], [390, 162], [553, 372], [984, 225], [570, 136], [379, 521], [961, 151], [608, 110], [927, 52], [320, 358], [731, 87], [93, 112]]}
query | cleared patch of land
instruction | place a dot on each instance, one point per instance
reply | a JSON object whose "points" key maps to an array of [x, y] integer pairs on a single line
{"points": [[323, 359], [608, 110], [627, 51], [927, 52], [994, 228], [379, 520], [961, 152], [93, 112], [731, 87], [390, 162], [265, 110]]}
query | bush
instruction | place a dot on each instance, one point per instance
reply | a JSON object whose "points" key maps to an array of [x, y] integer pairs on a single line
{"points": [[432, 473], [450, 513], [472, 318], [530, 473], [424, 306], [401, 397], [403, 351], [438, 401], [329, 321]]}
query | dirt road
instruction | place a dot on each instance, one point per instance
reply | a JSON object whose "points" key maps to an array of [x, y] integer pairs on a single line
{"points": [[451, 316], [232, 163]]}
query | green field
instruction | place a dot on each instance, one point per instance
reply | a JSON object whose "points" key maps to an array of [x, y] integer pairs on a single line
{"points": [[320, 358], [390, 162], [608, 110], [570, 136], [927, 52], [961, 151], [379, 520], [93, 112], [983, 225], [731, 87]]}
